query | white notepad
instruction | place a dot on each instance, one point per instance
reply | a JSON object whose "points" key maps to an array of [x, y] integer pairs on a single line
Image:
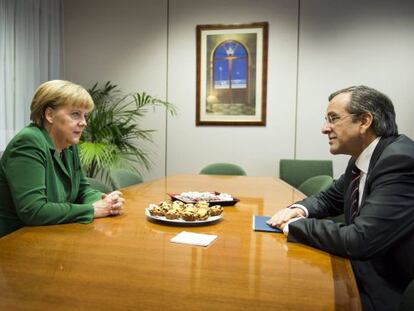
{"points": [[191, 238]]}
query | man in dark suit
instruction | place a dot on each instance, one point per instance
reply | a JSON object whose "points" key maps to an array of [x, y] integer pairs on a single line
{"points": [[376, 195]]}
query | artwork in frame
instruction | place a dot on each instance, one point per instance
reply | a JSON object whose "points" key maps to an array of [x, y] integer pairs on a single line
{"points": [[231, 74]]}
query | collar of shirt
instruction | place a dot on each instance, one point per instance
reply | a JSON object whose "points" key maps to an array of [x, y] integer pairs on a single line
{"points": [[362, 162]]}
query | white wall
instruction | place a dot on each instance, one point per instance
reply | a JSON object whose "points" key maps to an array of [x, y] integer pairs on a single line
{"points": [[256, 149], [344, 43], [341, 43], [124, 42]]}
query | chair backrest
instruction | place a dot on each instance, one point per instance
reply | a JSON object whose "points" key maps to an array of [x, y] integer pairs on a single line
{"points": [[295, 172], [407, 303], [315, 184], [98, 185], [121, 178], [223, 169]]}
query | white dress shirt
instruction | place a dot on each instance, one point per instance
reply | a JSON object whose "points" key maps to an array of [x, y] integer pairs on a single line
{"points": [[362, 162]]}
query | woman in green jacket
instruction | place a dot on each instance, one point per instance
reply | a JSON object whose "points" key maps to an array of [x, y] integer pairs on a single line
{"points": [[41, 180]]}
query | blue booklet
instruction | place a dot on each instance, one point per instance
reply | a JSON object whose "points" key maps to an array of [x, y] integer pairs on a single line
{"points": [[259, 224]]}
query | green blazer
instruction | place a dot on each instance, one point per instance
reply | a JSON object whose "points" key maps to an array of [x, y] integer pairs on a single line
{"points": [[38, 187]]}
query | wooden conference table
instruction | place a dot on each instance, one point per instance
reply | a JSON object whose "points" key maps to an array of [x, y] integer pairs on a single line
{"points": [[129, 263]]}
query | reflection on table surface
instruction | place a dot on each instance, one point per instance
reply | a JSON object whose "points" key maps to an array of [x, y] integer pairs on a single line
{"points": [[129, 263]]}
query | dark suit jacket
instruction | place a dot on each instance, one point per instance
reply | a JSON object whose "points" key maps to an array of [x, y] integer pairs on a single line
{"points": [[37, 187], [380, 240]]}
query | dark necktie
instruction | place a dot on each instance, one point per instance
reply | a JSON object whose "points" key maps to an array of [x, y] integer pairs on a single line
{"points": [[355, 177]]}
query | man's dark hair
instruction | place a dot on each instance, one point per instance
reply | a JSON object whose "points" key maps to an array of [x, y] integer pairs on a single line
{"points": [[366, 99]]}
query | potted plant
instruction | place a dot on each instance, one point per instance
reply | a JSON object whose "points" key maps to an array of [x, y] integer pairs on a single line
{"points": [[113, 137]]}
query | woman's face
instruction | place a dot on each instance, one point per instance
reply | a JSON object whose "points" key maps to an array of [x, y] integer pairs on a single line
{"points": [[65, 125]]}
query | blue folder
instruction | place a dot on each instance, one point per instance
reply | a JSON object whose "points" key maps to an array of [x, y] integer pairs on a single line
{"points": [[259, 224]]}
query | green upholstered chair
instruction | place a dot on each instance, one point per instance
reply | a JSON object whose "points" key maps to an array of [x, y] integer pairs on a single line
{"points": [[121, 178], [223, 169], [315, 184], [407, 303], [98, 185], [295, 172]]}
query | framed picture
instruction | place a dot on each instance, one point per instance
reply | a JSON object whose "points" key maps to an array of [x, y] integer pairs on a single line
{"points": [[231, 74]]}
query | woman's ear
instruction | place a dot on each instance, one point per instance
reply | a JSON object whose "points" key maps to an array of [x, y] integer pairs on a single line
{"points": [[49, 114]]}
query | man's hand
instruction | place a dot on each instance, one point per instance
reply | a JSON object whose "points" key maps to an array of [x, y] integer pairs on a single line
{"points": [[280, 219]]}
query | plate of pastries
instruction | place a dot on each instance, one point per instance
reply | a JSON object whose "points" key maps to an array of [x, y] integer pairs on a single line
{"points": [[178, 212]]}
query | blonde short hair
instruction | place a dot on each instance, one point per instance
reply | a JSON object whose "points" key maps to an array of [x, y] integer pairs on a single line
{"points": [[57, 93]]}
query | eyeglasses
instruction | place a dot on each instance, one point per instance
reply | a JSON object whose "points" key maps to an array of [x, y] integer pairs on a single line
{"points": [[334, 119]]}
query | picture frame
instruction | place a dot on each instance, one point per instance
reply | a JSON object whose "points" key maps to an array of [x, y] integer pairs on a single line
{"points": [[231, 74]]}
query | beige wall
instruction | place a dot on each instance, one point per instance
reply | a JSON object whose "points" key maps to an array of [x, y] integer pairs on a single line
{"points": [[340, 43]]}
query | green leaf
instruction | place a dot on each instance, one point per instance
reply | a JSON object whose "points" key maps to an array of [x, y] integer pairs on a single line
{"points": [[113, 137]]}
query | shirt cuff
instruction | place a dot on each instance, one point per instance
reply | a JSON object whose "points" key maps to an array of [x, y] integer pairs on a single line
{"points": [[286, 227], [303, 208]]}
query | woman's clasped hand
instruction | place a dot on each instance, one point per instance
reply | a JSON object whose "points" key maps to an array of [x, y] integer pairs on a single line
{"points": [[110, 204]]}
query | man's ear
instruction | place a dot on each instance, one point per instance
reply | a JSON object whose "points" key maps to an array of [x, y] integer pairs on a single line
{"points": [[49, 114], [366, 120]]}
